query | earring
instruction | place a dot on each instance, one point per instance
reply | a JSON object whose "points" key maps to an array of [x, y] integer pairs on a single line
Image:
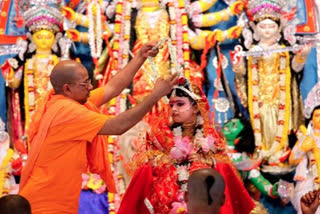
{"points": [[55, 43], [199, 120], [256, 36], [278, 36], [247, 35], [32, 46]]}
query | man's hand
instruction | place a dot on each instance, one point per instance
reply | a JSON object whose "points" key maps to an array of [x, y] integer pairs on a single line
{"points": [[163, 87], [310, 202], [148, 49]]}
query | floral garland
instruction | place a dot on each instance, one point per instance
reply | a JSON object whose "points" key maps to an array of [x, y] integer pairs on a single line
{"points": [[36, 83], [121, 35], [120, 58], [284, 102], [5, 173], [126, 33], [111, 196], [95, 29], [185, 39], [93, 182], [183, 146], [179, 34], [115, 107]]}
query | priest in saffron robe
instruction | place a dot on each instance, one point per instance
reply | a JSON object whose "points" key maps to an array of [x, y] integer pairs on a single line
{"points": [[67, 133]]}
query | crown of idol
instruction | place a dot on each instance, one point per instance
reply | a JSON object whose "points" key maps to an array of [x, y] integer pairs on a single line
{"points": [[312, 101], [43, 17], [262, 9]]}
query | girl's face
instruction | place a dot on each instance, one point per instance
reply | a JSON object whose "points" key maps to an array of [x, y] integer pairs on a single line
{"points": [[182, 110]]}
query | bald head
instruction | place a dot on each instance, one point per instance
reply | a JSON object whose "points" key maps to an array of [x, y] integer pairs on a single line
{"points": [[205, 191], [65, 72], [14, 204]]}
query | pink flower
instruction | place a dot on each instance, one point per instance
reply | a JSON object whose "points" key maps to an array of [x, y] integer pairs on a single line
{"points": [[207, 144], [101, 189], [85, 179], [182, 148], [178, 208]]}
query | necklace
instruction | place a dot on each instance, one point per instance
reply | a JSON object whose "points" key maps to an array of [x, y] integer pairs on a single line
{"points": [[188, 129]]}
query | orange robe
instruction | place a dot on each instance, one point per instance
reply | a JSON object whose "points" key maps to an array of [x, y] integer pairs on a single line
{"points": [[64, 140]]}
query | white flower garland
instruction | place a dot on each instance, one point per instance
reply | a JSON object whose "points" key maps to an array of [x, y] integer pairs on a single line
{"points": [[95, 30]]}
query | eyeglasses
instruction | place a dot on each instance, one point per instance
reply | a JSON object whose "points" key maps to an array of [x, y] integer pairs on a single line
{"points": [[84, 84]]}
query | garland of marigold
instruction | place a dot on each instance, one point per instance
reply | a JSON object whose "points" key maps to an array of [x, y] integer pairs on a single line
{"points": [[5, 172], [28, 89], [117, 29], [114, 108], [111, 196], [185, 39]]}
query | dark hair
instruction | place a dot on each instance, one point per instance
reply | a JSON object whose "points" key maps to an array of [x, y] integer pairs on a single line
{"points": [[209, 183], [180, 93], [308, 120], [14, 204], [275, 20], [246, 141]]}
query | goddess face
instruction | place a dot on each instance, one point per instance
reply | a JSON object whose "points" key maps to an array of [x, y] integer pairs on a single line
{"points": [[267, 29], [316, 119], [43, 39], [182, 110]]}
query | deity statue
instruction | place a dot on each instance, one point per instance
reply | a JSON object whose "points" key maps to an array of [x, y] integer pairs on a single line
{"points": [[267, 83], [306, 152], [30, 69], [221, 19], [240, 147], [174, 148], [145, 20], [90, 29], [10, 30]]}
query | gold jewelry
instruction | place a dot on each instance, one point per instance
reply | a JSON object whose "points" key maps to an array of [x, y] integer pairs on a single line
{"points": [[300, 59], [189, 125], [150, 3]]}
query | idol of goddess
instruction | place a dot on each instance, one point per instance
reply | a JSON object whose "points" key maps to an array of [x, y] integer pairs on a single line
{"points": [[267, 84], [30, 69]]}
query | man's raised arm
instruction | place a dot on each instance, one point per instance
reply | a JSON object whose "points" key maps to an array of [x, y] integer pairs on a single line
{"points": [[122, 80], [128, 119]]}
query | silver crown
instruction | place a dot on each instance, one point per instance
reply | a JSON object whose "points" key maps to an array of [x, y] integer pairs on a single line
{"points": [[43, 17]]}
